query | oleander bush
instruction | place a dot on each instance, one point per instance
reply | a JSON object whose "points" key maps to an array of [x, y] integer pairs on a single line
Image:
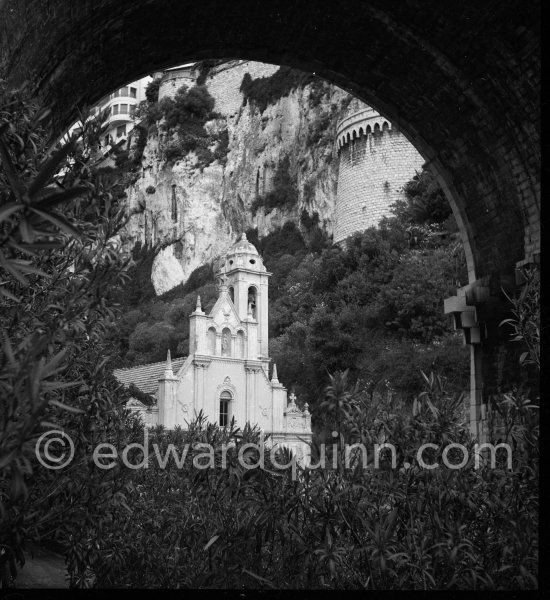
{"points": [[349, 526], [59, 262]]}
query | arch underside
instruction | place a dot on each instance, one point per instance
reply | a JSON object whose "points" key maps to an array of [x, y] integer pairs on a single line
{"points": [[460, 80]]}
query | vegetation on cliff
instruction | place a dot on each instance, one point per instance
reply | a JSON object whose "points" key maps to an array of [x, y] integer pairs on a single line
{"points": [[374, 308], [263, 91], [284, 192], [182, 119]]}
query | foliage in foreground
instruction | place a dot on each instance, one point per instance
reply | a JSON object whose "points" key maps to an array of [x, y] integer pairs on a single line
{"points": [[346, 528], [59, 261]]}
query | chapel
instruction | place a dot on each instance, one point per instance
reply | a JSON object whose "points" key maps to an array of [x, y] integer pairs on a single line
{"points": [[226, 374]]}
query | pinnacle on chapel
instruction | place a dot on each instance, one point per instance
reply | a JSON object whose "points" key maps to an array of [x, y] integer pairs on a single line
{"points": [[168, 369], [274, 378]]}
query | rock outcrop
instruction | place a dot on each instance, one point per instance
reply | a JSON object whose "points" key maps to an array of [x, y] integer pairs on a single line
{"points": [[194, 212]]}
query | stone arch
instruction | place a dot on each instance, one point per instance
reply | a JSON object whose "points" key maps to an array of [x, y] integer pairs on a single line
{"points": [[476, 122], [226, 391], [227, 342], [225, 405], [253, 300]]}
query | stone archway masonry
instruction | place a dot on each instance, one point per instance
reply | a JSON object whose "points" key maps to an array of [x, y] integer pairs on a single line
{"points": [[460, 80]]}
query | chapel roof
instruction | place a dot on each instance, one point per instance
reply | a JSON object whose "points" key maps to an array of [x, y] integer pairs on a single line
{"points": [[146, 377], [242, 255], [242, 245]]}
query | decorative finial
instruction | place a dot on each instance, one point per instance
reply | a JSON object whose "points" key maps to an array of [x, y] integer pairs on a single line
{"points": [[292, 398], [243, 237], [306, 408], [168, 369], [274, 378], [198, 307]]}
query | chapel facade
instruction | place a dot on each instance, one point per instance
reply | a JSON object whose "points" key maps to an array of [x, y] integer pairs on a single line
{"points": [[226, 374]]}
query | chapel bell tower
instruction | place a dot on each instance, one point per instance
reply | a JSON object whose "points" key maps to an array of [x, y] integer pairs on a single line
{"points": [[243, 272]]}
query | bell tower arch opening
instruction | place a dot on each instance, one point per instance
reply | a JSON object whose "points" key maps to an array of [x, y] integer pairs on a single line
{"points": [[252, 302]]}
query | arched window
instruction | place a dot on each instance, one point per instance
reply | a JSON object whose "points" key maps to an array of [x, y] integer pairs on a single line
{"points": [[252, 301], [226, 342], [211, 340], [232, 294], [225, 399]]}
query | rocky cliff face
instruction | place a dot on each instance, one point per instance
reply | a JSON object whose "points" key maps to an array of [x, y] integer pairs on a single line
{"points": [[196, 212]]}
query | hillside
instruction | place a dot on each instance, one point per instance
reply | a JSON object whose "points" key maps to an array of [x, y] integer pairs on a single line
{"points": [[261, 154]]}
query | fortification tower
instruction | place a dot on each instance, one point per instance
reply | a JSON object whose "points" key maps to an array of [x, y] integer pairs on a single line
{"points": [[172, 79], [376, 161]]}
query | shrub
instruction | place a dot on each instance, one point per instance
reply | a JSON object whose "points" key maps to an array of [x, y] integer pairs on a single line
{"points": [[144, 398], [204, 67], [343, 527], [152, 91], [318, 129], [60, 264], [140, 136], [222, 149], [425, 201], [174, 151], [149, 343], [188, 106], [267, 90], [284, 194]]}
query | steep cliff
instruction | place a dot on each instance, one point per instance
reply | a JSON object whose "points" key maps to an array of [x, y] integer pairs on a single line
{"points": [[278, 160]]}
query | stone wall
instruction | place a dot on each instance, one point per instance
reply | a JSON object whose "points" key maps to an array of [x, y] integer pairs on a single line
{"points": [[223, 83], [373, 170], [172, 81]]}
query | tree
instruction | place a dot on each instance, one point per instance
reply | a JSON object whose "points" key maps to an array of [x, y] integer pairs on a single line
{"points": [[152, 91], [59, 262]]}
